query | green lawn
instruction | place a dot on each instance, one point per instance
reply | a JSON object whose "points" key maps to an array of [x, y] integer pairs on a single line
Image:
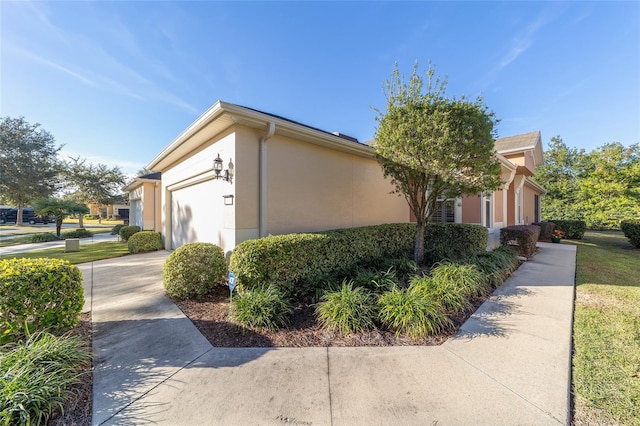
{"points": [[606, 361], [24, 236], [87, 253]]}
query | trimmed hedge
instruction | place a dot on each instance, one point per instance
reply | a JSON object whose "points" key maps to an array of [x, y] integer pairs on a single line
{"points": [[525, 237], [77, 233], [44, 237], [193, 270], [127, 231], [298, 263], [546, 229], [631, 230], [116, 229], [453, 241], [573, 229], [145, 241], [39, 294]]}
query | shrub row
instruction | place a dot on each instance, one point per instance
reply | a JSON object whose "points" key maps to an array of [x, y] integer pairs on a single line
{"points": [[631, 230], [422, 309], [546, 230], [77, 233], [37, 294], [573, 229], [116, 229], [524, 237], [298, 263], [144, 241]]}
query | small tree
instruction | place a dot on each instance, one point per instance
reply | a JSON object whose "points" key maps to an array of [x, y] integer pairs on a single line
{"points": [[28, 162], [433, 147], [60, 209]]}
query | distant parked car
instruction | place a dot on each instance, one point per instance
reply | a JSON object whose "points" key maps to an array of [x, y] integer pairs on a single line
{"points": [[28, 215]]}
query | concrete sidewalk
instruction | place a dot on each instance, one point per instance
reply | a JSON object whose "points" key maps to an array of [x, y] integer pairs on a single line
{"points": [[509, 364]]}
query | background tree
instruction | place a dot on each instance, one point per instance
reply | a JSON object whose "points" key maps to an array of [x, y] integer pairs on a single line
{"points": [[95, 184], [143, 171], [60, 209], [433, 147], [29, 162]]}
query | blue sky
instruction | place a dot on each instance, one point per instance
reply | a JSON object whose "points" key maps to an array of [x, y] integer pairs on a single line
{"points": [[118, 81]]}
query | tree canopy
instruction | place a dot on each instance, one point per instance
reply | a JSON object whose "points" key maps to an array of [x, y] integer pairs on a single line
{"points": [[601, 187], [60, 209], [433, 147], [28, 162]]}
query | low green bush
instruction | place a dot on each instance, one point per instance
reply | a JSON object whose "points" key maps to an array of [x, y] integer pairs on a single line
{"points": [[546, 229], [376, 282], [37, 294], [496, 264], [127, 231], [403, 268], [465, 277], [412, 313], [522, 237], [144, 241], [36, 375], [77, 233], [348, 310], [261, 307], [573, 229], [92, 216], [193, 270], [453, 241], [116, 229], [299, 263], [453, 299], [44, 237], [631, 230]]}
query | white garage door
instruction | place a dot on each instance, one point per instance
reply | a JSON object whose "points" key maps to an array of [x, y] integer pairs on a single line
{"points": [[193, 217], [135, 214]]}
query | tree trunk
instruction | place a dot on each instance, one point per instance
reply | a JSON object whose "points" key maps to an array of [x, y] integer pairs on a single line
{"points": [[58, 226], [19, 214], [418, 253], [80, 220]]}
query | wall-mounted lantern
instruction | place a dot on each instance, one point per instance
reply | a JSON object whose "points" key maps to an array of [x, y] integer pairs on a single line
{"points": [[220, 173]]}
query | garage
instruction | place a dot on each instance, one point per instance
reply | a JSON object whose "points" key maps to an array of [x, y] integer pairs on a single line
{"points": [[193, 215], [135, 213]]}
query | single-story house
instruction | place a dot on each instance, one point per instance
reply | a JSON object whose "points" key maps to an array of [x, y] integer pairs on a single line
{"points": [[145, 207], [119, 209], [237, 173]]}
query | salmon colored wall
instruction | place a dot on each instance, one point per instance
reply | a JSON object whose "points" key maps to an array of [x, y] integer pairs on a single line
{"points": [[497, 206], [471, 212], [511, 206]]}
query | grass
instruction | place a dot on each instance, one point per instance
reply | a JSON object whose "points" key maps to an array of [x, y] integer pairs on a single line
{"points": [[87, 253], [24, 235], [606, 361], [349, 310]]}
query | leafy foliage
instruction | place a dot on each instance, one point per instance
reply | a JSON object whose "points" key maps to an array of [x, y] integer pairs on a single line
{"points": [[38, 294], [43, 237], [546, 230], [28, 162], [433, 147], [412, 312], [348, 310], [573, 229], [466, 278], [116, 229], [453, 241], [525, 236], [453, 299], [261, 307], [36, 375], [127, 231], [77, 233], [631, 229], [60, 209], [601, 187], [145, 241], [193, 269]]}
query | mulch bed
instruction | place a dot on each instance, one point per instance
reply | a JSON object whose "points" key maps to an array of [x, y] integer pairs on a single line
{"points": [[210, 315]]}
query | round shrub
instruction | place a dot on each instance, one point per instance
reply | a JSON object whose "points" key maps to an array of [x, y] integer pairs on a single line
{"points": [[144, 241], [44, 237], [193, 270], [39, 294], [116, 229], [631, 230], [77, 233], [261, 307], [349, 310], [127, 231]]}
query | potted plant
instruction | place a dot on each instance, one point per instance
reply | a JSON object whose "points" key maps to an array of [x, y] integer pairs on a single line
{"points": [[557, 235]]}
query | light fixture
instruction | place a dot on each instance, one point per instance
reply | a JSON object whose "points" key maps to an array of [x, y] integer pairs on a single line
{"points": [[218, 169]]}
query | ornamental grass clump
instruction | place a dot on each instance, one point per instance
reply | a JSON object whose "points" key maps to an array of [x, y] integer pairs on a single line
{"points": [[261, 307], [348, 310], [44, 237], [468, 279], [35, 376], [453, 299], [193, 269], [38, 294], [412, 313]]}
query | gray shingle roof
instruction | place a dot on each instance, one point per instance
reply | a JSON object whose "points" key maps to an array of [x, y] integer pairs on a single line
{"points": [[517, 142]]}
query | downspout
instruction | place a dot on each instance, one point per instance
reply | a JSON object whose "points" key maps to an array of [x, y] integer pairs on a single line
{"points": [[271, 129]]}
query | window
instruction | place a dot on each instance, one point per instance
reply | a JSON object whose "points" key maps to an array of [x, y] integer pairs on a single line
{"points": [[445, 211]]}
